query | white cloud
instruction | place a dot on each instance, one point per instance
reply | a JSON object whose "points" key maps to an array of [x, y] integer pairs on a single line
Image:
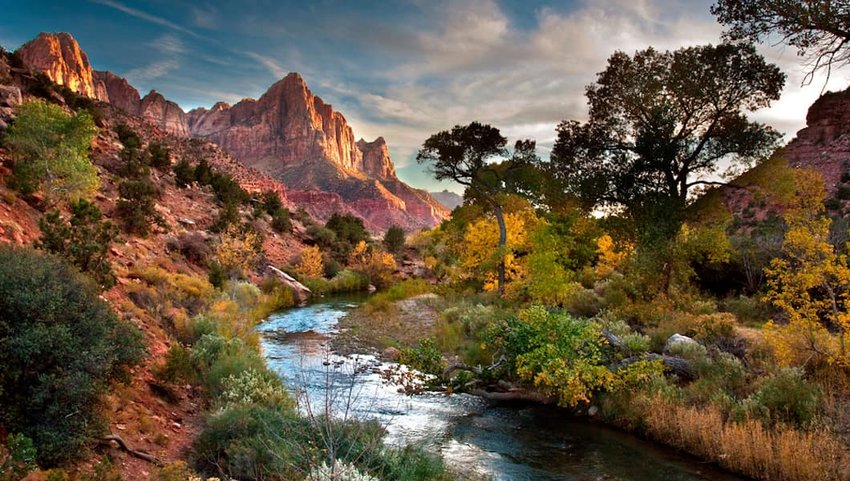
{"points": [[133, 12], [151, 71], [269, 63]]}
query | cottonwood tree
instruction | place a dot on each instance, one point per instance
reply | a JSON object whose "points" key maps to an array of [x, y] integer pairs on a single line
{"points": [[470, 155], [659, 122], [819, 29], [51, 151]]}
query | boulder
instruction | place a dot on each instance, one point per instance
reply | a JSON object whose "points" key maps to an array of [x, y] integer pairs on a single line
{"points": [[677, 339], [301, 292]]}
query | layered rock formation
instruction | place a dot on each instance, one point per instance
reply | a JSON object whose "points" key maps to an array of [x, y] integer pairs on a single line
{"points": [[59, 56], [288, 133], [293, 135], [447, 198]]}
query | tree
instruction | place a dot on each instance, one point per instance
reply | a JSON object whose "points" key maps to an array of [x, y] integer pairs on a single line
{"points": [[394, 239], [465, 154], [819, 29], [376, 264], [238, 251], [84, 240], [60, 346], [310, 264], [810, 283], [184, 174], [51, 150], [660, 120], [160, 156]]}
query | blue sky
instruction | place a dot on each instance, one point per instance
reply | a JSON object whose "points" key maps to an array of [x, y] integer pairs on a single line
{"points": [[400, 69]]}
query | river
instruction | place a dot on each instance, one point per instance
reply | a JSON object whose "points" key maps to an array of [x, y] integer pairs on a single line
{"points": [[503, 441]]}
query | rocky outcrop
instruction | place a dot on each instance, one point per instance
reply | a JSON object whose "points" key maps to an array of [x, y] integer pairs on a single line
{"points": [[58, 55], [376, 158], [293, 135], [447, 198], [164, 113], [288, 133], [824, 145], [120, 93]]}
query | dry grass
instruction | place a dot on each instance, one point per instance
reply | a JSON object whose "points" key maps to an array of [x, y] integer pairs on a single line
{"points": [[778, 454]]}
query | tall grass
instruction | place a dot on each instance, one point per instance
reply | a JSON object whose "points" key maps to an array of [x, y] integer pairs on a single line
{"points": [[748, 447]]}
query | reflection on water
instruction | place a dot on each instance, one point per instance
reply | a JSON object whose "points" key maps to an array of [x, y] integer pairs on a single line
{"points": [[503, 441]]}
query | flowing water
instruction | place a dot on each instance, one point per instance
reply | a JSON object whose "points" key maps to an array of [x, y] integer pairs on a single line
{"points": [[504, 441]]}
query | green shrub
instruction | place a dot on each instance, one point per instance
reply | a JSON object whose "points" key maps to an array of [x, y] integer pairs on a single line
{"points": [[227, 190], [425, 358], [19, 459], [61, 347], [136, 207], [184, 174], [281, 221], [203, 172], [394, 239], [786, 397], [179, 366], [84, 240], [254, 386], [160, 156]]}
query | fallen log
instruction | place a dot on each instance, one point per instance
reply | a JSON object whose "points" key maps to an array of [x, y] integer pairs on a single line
{"points": [[677, 365], [132, 452]]}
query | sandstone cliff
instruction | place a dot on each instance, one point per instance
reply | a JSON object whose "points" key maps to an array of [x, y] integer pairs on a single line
{"points": [[288, 133], [60, 58], [293, 135]]}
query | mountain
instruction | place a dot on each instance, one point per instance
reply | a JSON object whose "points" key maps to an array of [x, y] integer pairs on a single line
{"points": [[288, 133], [293, 135], [447, 198]]}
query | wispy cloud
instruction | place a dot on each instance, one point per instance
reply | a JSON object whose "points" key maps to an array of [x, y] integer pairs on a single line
{"points": [[269, 63], [146, 16], [151, 71], [205, 16]]}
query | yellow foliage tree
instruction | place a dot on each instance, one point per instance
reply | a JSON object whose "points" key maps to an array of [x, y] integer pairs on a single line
{"points": [[377, 264], [811, 284], [611, 256], [311, 263], [238, 251], [480, 252]]}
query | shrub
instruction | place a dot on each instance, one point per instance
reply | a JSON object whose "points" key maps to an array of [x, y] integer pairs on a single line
{"points": [[193, 246], [136, 206], [338, 471], [227, 190], [84, 240], [203, 172], [394, 239], [786, 397], [254, 386], [425, 358], [280, 220], [19, 459], [61, 347], [51, 150], [184, 174], [160, 156]]}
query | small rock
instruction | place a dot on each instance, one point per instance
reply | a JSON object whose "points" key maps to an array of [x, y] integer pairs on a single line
{"points": [[391, 354], [677, 339], [592, 411]]}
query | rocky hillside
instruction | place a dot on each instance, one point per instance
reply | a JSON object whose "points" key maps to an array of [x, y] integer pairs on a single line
{"points": [[288, 133], [447, 198]]}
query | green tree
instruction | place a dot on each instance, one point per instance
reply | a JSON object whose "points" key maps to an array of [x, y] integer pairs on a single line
{"points": [[137, 206], [466, 155], [60, 346], [83, 240], [394, 239], [51, 151], [818, 29], [660, 120]]}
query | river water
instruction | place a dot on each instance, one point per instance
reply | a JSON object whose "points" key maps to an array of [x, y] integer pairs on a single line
{"points": [[503, 441]]}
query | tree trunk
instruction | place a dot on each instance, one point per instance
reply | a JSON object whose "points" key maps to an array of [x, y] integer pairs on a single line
{"points": [[503, 239]]}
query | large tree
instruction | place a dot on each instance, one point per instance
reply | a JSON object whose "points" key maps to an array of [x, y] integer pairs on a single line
{"points": [[661, 122], [476, 156], [818, 29]]}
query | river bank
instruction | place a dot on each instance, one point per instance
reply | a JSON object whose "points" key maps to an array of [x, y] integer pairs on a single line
{"points": [[502, 441]]}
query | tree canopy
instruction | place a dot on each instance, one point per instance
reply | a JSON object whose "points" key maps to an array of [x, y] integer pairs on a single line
{"points": [[661, 121], [51, 150], [819, 29]]}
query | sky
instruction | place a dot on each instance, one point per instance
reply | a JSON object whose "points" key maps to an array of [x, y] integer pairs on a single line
{"points": [[401, 69]]}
